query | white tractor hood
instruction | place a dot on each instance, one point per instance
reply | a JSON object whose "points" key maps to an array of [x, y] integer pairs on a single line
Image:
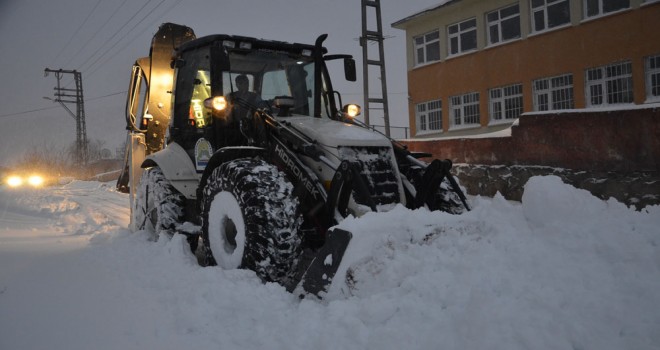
{"points": [[333, 133]]}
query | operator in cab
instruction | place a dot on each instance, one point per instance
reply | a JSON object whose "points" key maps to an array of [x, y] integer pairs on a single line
{"points": [[245, 95]]}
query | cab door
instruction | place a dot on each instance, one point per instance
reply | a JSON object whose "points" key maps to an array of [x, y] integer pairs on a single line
{"points": [[192, 124]]}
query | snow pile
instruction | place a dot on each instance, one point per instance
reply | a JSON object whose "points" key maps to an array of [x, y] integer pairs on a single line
{"points": [[562, 270]]}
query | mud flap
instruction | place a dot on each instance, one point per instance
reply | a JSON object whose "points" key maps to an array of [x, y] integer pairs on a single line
{"points": [[322, 270]]}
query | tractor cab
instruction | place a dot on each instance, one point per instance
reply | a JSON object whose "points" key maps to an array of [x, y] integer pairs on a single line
{"points": [[220, 81]]}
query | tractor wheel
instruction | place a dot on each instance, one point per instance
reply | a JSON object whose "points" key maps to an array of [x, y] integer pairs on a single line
{"points": [[158, 206], [250, 219]]}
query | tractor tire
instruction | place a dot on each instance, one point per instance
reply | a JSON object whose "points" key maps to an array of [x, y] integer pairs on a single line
{"points": [[158, 205], [250, 219]]}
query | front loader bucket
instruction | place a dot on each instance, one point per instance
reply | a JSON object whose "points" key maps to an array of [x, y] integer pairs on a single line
{"points": [[322, 269], [433, 176]]}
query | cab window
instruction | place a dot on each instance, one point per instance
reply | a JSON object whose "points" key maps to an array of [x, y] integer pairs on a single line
{"points": [[193, 86], [198, 115]]}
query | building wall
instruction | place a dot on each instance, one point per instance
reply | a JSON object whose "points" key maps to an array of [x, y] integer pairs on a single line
{"points": [[628, 35], [626, 140]]}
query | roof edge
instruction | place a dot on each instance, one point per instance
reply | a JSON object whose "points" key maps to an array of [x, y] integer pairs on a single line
{"points": [[442, 3]]}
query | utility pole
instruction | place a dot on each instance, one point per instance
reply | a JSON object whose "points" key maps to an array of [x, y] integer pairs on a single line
{"points": [[368, 37], [64, 96]]}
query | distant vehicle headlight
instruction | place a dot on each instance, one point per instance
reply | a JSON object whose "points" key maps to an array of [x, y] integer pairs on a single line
{"points": [[14, 181], [35, 180]]}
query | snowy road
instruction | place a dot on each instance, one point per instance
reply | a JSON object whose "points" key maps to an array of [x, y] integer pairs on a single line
{"points": [[563, 270]]}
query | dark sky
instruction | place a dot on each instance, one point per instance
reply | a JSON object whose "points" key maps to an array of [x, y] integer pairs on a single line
{"points": [[102, 38]]}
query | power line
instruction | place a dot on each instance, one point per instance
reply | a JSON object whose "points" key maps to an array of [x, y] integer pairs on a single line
{"points": [[130, 31], [96, 33], [104, 54], [77, 31], [26, 112], [82, 65], [84, 69], [53, 107], [108, 95], [150, 25]]}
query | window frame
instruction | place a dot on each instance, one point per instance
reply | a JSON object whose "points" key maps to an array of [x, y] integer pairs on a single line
{"points": [[649, 75], [546, 17], [459, 36], [552, 90], [427, 115], [601, 9], [196, 60], [465, 109], [604, 82], [498, 23], [502, 103], [424, 46]]}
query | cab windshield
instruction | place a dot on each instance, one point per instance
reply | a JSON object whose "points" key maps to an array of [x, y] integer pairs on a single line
{"points": [[272, 75]]}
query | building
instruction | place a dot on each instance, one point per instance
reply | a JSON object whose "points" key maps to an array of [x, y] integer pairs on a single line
{"points": [[475, 65]]}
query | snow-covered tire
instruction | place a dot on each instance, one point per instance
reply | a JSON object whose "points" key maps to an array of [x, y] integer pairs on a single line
{"points": [[250, 219], [158, 205]]}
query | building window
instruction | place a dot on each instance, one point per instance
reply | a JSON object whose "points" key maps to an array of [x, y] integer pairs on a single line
{"points": [[652, 69], [465, 110], [553, 93], [594, 8], [609, 85], [548, 14], [462, 36], [506, 103], [503, 24], [427, 47], [429, 116], [421, 117]]}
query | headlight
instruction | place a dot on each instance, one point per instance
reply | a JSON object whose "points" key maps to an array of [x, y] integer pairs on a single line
{"points": [[14, 181], [351, 110], [218, 103], [35, 180]]}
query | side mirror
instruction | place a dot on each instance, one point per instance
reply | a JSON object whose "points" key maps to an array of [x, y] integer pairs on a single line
{"points": [[349, 65], [349, 69]]}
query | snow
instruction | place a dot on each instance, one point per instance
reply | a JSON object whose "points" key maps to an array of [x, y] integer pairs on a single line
{"points": [[561, 270], [438, 5], [610, 108], [506, 132]]}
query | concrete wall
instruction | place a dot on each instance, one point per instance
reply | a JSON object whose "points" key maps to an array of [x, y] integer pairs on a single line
{"points": [[635, 189], [621, 140]]}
